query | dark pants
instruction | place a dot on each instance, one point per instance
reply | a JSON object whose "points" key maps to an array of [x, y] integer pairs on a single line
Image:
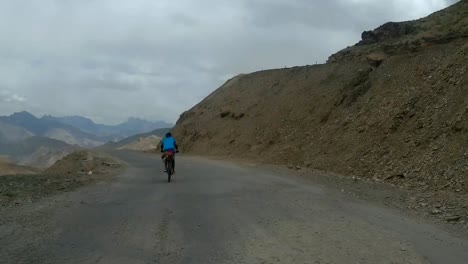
{"points": [[173, 158]]}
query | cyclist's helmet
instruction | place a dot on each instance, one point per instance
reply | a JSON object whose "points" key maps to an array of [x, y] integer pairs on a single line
{"points": [[168, 134]]}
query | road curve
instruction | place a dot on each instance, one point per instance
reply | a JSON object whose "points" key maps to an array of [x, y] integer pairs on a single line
{"points": [[217, 212]]}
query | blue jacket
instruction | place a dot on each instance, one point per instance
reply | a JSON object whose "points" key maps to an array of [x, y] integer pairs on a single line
{"points": [[168, 143]]}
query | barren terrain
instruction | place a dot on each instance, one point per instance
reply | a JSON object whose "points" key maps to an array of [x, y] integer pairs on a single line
{"points": [[393, 109]]}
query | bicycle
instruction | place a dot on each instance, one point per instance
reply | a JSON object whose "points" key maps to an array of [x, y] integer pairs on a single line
{"points": [[169, 163]]}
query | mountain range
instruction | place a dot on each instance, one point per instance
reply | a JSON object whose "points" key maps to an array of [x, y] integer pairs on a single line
{"points": [[131, 127], [74, 130], [28, 140], [49, 127]]}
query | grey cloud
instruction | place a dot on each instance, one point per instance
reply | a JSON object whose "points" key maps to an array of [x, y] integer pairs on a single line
{"points": [[9, 97], [184, 19], [111, 59]]}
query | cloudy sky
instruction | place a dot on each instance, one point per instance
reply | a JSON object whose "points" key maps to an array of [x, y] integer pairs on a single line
{"points": [[112, 59]]}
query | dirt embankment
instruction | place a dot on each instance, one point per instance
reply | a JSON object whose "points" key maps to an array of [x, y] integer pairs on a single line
{"points": [[392, 108], [73, 171]]}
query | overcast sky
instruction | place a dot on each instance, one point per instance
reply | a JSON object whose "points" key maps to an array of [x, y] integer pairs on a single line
{"points": [[112, 59]]}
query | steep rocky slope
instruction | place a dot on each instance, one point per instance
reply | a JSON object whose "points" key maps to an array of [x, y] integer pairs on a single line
{"points": [[393, 107]]}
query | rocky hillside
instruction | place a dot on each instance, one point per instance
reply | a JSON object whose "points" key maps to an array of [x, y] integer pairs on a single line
{"points": [[393, 107]]}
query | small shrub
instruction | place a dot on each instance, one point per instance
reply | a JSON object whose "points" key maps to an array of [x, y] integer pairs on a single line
{"points": [[237, 117], [224, 114]]}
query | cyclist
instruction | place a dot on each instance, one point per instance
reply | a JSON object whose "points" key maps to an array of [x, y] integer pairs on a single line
{"points": [[168, 144]]}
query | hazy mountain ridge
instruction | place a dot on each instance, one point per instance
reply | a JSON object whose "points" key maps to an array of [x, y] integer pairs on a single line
{"points": [[74, 130], [36, 151], [113, 132], [10, 133], [49, 127], [39, 142], [151, 138]]}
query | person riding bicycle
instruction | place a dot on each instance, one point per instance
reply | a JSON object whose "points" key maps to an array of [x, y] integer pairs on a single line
{"points": [[169, 145]]}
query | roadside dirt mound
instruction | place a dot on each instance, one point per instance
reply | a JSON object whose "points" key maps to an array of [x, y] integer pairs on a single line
{"points": [[73, 171], [82, 163], [392, 108]]}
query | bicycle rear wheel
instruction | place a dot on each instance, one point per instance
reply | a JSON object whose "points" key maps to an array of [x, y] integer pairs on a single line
{"points": [[170, 169]]}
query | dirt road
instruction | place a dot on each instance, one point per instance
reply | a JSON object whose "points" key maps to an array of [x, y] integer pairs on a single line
{"points": [[216, 212]]}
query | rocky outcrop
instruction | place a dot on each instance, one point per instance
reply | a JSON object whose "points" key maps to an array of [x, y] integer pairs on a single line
{"points": [[398, 38], [388, 31]]}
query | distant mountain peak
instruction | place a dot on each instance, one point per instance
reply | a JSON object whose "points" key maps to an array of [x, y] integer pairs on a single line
{"points": [[136, 119], [23, 114]]}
